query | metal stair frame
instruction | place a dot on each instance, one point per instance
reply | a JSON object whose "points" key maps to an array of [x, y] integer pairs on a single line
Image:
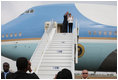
{"points": [[42, 46]]}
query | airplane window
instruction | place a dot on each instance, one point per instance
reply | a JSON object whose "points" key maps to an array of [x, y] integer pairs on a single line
{"points": [[100, 32], [105, 33], [115, 33], [110, 33], [3, 36], [6, 35], [15, 34], [11, 35], [31, 11], [94, 32], [89, 32], [20, 34], [27, 11]]}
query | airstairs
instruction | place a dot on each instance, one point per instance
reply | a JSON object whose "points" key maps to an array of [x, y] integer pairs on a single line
{"points": [[55, 52]]}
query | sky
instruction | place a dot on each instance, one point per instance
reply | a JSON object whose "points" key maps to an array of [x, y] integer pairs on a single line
{"points": [[12, 9]]}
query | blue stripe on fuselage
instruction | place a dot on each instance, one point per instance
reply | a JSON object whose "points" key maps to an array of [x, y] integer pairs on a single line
{"points": [[31, 25]]}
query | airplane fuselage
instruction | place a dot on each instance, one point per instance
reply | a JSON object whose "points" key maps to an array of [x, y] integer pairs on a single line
{"points": [[20, 36]]}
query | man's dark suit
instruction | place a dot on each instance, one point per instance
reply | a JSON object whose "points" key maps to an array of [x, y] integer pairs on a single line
{"points": [[65, 24], [7, 76], [24, 75]]}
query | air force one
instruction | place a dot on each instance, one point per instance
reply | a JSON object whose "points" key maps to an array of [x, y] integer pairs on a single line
{"points": [[97, 41]]}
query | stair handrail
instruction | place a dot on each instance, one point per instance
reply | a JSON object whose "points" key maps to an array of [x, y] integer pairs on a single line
{"points": [[49, 40], [46, 38], [73, 55], [42, 39], [75, 40], [75, 46], [50, 26]]}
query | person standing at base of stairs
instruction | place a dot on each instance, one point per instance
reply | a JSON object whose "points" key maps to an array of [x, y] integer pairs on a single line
{"points": [[65, 23], [85, 74], [23, 65], [6, 74], [64, 74]]}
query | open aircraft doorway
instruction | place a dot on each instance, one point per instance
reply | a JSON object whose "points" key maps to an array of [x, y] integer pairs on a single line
{"points": [[59, 28]]}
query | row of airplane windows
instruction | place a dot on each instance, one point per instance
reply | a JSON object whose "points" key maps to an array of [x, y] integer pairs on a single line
{"points": [[89, 32], [11, 35], [28, 11], [105, 33]]}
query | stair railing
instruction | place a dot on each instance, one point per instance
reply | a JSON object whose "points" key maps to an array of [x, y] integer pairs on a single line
{"points": [[42, 45], [76, 40], [75, 45]]}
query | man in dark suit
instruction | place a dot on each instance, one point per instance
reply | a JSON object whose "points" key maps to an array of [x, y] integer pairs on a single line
{"points": [[6, 74], [23, 65], [85, 74], [65, 23]]}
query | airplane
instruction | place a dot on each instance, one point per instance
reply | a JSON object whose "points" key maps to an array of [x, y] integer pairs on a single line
{"points": [[97, 41]]}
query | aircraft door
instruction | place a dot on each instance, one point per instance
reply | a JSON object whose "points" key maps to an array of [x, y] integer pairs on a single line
{"points": [[59, 28]]}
